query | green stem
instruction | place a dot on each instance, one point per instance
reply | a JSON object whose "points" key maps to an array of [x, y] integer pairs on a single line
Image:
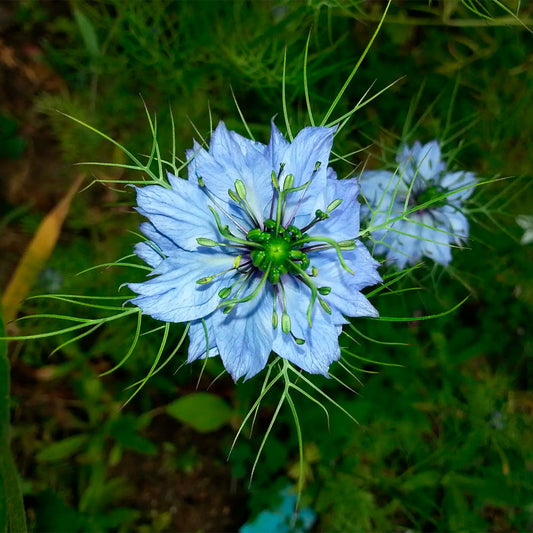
{"points": [[12, 516]]}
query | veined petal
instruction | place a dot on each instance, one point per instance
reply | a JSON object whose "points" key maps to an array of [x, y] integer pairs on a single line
{"points": [[343, 222], [147, 252], [174, 295], [245, 334], [321, 345], [379, 188], [231, 158], [202, 337], [457, 221], [276, 147], [345, 287], [403, 242], [306, 158], [163, 243], [428, 161], [180, 214], [435, 243], [457, 180]]}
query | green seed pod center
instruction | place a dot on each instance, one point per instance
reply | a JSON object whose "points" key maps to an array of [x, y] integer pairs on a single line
{"points": [[277, 251], [430, 194]]}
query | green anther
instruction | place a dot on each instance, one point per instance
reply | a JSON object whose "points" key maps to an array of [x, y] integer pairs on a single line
{"points": [[228, 308], [224, 293], [255, 235], [294, 231], [305, 262], [275, 181], [325, 306], [258, 257], [273, 275], [233, 196], [240, 188], [269, 224], [347, 245], [274, 320], [206, 242], [314, 271], [237, 261], [324, 291], [321, 215], [285, 323], [296, 255], [205, 281], [298, 341], [333, 205], [201, 181], [288, 183], [317, 165]]}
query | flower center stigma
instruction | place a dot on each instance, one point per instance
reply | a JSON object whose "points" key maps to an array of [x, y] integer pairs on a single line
{"points": [[278, 252]]}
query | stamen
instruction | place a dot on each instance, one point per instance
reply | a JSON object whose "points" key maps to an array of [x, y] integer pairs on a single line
{"points": [[239, 197], [297, 340], [225, 231], [333, 205], [333, 243], [250, 296], [212, 197], [285, 323]]}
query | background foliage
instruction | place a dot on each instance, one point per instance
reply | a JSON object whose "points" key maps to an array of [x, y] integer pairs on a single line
{"points": [[444, 441]]}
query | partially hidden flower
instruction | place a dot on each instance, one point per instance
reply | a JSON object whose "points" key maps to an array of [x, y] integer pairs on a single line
{"points": [[429, 230], [282, 519], [257, 250]]}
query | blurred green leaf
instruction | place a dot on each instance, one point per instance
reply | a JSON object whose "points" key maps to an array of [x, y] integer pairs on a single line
{"points": [[87, 32], [63, 449], [202, 411], [53, 514], [125, 433], [12, 145], [12, 516]]}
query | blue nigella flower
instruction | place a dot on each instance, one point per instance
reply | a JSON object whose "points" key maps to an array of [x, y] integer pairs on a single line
{"points": [[257, 250], [421, 177]]}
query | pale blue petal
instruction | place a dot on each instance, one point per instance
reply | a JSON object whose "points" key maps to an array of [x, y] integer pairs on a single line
{"points": [[457, 180], [147, 252], [321, 345], [231, 158], [404, 243], [226, 144], [162, 242], [428, 161], [343, 223], [180, 214], [198, 342], [409, 155], [173, 295], [457, 221], [245, 335], [379, 188], [345, 296], [436, 243], [311, 146], [276, 147]]}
